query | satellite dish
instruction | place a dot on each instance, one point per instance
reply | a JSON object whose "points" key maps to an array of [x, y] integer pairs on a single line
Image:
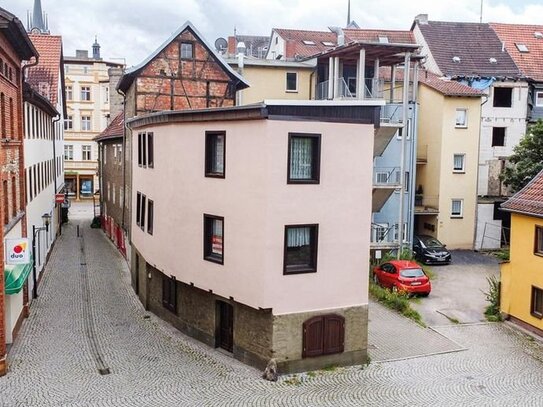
{"points": [[221, 44]]}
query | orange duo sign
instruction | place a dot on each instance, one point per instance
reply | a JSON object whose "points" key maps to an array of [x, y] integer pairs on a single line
{"points": [[17, 251]]}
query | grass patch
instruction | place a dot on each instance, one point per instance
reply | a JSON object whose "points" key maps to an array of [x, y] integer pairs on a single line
{"points": [[395, 301]]}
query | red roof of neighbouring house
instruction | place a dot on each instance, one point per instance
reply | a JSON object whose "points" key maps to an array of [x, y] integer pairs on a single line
{"points": [[45, 77], [114, 130], [304, 50], [529, 200], [530, 63], [374, 35]]}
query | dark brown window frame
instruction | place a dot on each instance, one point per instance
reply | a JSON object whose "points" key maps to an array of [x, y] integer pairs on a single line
{"points": [[192, 44], [150, 215], [138, 208], [140, 150], [170, 305], [301, 269], [316, 159], [208, 232], [143, 210], [535, 313], [538, 230], [150, 150], [209, 137]]}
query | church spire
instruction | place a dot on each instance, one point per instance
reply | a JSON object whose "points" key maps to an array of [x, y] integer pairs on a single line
{"points": [[96, 48], [38, 24]]}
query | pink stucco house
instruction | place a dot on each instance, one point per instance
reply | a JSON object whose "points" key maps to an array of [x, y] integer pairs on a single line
{"points": [[250, 227]]}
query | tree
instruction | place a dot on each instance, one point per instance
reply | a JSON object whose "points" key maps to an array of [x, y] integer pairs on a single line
{"points": [[526, 160]]}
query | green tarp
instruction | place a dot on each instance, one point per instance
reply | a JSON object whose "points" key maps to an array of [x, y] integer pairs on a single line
{"points": [[15, 276]]}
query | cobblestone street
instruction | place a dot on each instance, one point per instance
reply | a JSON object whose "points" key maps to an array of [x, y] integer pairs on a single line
{"points": [[87, 321]]}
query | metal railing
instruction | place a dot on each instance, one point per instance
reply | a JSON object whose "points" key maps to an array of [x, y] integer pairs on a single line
{"points": [[389, 176], [427, 201], [392, 113], [383, 234], [343, 91]]}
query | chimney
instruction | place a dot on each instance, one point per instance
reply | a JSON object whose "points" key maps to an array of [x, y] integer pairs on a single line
{"points": [[290, 49], [422, 19], [232, 45], [81, 54], [115, 99]]}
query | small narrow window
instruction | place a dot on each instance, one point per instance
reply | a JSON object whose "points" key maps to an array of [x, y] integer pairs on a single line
{"points": [[539, 98], [215, 154], [144, 150], [537, 302], [498, 136], [457, 208], [213, 238], [292, 82], [69, 94], [304, 158], [169, 293], [140, 148], [150, 215], [150, 150], [142, 213], [300, 253], [538, 241], [187, 50], [138, 209], [461, 118], [458, 163]]}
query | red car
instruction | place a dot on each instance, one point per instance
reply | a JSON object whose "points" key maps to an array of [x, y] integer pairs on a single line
{"points": [[403, 275]]}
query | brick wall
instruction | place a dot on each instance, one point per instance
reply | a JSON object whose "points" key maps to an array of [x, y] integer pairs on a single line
{"points": [[11, 160]]}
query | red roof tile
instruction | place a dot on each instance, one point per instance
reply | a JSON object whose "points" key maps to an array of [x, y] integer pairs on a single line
{"points": [[45, 77], [297, 38], [392, 36], [531, 62], [528, 200], [114, 130]]}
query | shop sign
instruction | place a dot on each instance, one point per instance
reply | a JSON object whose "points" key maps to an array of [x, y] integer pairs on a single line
{"points": [[17, 251]]}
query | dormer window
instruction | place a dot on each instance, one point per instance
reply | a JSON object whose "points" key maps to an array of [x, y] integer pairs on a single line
{"points": [[522, 47], [308, 42], [456, 59], [538, 35]]}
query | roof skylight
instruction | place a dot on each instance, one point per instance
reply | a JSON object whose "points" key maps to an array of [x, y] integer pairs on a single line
{"points": [[308, 42], [522, 47], [538, 34], [328, 44]]}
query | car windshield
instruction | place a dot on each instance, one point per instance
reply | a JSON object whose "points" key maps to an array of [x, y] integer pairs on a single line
{"points": [[431, 242], [412, 273]]}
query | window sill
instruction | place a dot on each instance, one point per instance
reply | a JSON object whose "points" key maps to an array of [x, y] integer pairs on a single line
{"points": [[214, 259], [304, 181], [539, 254], [458, 172], [460, 127], [536, 315], [456, 217], [298, 270], [291, 91], [214, 175]]}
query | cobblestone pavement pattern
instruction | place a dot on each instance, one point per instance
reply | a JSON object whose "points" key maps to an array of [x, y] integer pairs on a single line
{"points": [[54, 363]]}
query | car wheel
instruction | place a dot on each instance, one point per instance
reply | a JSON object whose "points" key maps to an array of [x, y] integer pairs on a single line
{"points": [[425, 294]]}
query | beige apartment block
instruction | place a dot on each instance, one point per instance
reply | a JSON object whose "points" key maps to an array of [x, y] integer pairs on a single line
{"points": [[87, 99], [260, 244], [447, 161]]}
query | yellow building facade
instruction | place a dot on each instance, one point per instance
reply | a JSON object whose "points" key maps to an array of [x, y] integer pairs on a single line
{"points": [[447, 154], [522, 276], [271, 79]]}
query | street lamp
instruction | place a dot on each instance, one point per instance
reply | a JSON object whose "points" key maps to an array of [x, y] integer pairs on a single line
{"points": [[46, 218]]}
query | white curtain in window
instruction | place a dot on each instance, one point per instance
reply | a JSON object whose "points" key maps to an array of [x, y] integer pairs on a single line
{"points": [[456, 207], [300, 158], [218, 161], [297, 237], [458, 162]]}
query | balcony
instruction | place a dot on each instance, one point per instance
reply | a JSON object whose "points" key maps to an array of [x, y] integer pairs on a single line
{"points": [[426, 204], [385, 181], [383, 237], [70, 165]]}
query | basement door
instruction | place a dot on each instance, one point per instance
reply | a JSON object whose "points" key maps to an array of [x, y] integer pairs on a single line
{"points": [[225, 331]]}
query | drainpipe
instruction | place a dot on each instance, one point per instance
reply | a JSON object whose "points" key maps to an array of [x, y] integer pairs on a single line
{"points": [[55, 121], [120, 92], [476, 217], [402, 153]]}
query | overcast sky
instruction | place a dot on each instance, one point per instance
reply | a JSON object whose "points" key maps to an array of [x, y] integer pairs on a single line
{"points": [[132, 29]]}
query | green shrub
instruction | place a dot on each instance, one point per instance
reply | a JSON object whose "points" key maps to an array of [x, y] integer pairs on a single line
{"points": [[397, 301], [492, 311]]}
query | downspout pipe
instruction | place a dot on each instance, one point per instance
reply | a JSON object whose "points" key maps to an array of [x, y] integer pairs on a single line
{"points": [[55, 121]]}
